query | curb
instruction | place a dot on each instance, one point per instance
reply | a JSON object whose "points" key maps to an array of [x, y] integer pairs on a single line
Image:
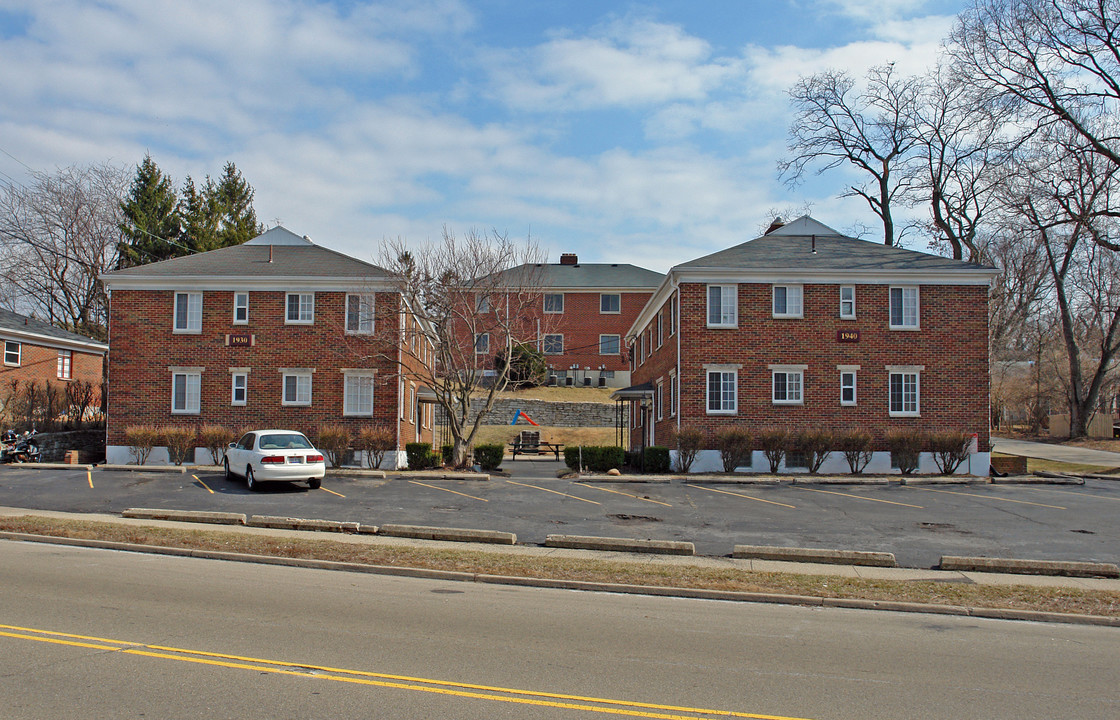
{"points": [[53, 466], [1030, 567], [583, 542], [443, 476], [196, 516], [146, 468], [650, 590], [832, 557], [355, 472], [420, 532], [290, 523]]}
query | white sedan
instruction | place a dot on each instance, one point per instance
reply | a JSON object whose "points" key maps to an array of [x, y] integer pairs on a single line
{"points": [[286, 455]]}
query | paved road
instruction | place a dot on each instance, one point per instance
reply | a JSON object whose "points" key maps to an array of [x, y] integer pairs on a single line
{"points": [[919, 523], [95, 633], [1060, 453]]}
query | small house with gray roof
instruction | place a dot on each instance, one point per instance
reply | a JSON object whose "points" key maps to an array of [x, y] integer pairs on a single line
{"points": [[277, 332], [804, 328]]}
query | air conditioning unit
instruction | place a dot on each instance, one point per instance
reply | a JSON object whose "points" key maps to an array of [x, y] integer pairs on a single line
{"points": [[587, 382], [569, 380], [602, 381], [551, 379]]}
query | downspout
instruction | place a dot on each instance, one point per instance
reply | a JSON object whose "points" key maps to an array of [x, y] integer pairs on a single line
{"points": [[400, 376], [676, 305]]}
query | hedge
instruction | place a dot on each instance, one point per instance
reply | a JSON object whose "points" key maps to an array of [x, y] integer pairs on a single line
{"points": [[420, 456], [489, 457], [596, 458]]}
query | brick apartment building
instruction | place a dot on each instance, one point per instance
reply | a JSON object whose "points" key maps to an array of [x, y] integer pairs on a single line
{"points": [[806, 328], [36, 351], [584, 313], [278, 332]]}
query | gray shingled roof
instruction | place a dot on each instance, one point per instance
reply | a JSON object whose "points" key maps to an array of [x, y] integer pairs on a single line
{"points": [[792, 247], [16, 323], [276, 253], [554, 276]]}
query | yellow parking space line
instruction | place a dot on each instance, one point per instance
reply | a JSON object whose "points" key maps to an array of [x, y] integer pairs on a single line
{"points": [[554, 492], [89, 478], [748, 497], [992, 497], [454, 492], [860, 497], [619, 492], [598, 705], [332, 492], [203, 484]]}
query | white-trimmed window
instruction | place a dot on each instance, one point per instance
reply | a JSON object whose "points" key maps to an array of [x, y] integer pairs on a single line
{"points": [[788, 384], [359, 314], [412, 404], [787, 301], [722, 390], [672, 316], [723, 305], [553, 345], [482, 304], [905, 390], [672, 393], [357, 396], [554, 303], [848, 384], [400, 400], [300, 309], [241, 308], [482, 343], [904, 308], [297, 387], [239, 388], [13, 352], [847, 302], [659, 399], [610, 303], [188, 313], [609, 344], [65, 369], [186, 392], [660, 329]]}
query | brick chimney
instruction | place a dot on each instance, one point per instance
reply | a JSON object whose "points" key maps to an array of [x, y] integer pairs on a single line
{"points": [[569, 259]]}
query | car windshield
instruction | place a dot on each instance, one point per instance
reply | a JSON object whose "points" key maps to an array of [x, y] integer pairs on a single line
{"points": [[286, 441]]}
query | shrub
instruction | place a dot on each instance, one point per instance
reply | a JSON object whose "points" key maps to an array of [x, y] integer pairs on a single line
{"points": [[906, 449], [734, 445], [950, 449], [447, 454], [488, 457], [689, 440], [179, 441], [596, 458], [374, 442], [334, 441], [856, 447], [815, 445], [773, 444], [141, 440], [656, 459], [215, 438], [420, 455]]}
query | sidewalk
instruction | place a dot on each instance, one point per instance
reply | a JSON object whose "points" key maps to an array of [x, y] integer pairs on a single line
{"points": [[1058, 453]]}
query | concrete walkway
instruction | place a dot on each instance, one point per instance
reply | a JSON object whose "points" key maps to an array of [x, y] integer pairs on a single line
{"points": [[1059, 453]]}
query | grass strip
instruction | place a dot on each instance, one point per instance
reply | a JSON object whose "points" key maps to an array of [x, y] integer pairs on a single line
{"points": [[1015, 597]]}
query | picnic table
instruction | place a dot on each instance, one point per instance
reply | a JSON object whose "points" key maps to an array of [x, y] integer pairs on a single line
{"points": [[530, 443]]}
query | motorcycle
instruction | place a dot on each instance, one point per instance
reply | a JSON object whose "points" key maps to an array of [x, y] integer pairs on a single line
{"points": [[19, 448]]}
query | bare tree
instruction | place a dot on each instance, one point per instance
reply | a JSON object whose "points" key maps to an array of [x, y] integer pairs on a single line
{"points": [[57, 234], [872, 130], [470, 300]]}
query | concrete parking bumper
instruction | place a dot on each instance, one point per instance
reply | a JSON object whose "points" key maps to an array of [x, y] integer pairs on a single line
{"points": [[420, 532], [198, 516], [815, 555], [1030, 567], [583, 542]]}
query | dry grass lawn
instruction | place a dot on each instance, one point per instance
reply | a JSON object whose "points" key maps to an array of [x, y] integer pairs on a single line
{"points": [[565, 435], [1019, 597]]}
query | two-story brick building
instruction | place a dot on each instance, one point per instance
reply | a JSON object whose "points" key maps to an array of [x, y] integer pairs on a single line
{"points": [[806, 328], [584, 312], [278, 332]]}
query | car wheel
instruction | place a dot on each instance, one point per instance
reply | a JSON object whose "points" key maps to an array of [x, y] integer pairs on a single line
{"points": [[249, 479], [229, 475], [315, 483]]}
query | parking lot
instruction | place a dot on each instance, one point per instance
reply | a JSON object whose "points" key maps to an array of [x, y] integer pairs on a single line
{"points": [[918, 523]]}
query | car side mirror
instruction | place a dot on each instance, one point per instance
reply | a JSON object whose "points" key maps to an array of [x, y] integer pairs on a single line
{"points": [[233, 445]]}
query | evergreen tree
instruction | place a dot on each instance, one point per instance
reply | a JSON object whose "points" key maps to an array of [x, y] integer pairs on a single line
{"points": [[200, 217], [233, 198], [151, 225]]}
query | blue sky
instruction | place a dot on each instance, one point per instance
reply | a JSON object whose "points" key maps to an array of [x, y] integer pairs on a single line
{"points": [[644, 132]]}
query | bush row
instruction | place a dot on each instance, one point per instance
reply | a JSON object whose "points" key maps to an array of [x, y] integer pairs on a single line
{"points": [[420, 456]]}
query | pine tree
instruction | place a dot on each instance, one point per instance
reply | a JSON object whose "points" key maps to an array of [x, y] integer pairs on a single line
{"points": [[234, 199], [152, 224], [200, 218]]}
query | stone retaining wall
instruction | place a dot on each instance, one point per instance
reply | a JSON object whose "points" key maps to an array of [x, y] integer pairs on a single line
{"points": [[554, 414], [89, 443]]}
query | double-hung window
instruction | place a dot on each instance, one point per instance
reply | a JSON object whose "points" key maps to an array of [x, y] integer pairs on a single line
{"points": [[787, 301], [482, 343], [554, 303], [358, 394], [660, 330], [241, 308], [723, 306], [672, 393], [359, 314], [905, 390], [188, 313], [239, 388], [904, 308], [659, 399], [297, 387], [609, 344], [610, 303], [848, 302], [300, 309], [847, 384], [186, 391], [788, 383], [12, 352], [553, 345], [64, 370], [723, 383]]}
